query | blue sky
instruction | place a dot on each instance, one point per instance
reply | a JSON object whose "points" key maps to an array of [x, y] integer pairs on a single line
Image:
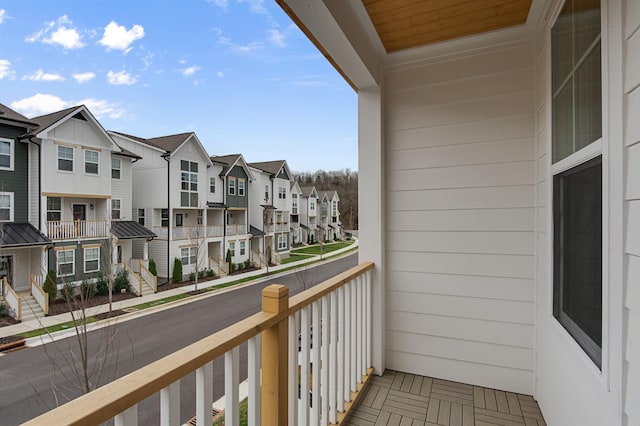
{"points": [[238, 73]]}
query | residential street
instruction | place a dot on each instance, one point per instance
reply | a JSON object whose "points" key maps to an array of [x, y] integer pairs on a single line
{"points": [[28, 376]]}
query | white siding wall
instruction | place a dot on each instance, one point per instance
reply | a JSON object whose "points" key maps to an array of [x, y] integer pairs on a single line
{"points": [[631, 337], [158, 252], [257, 197], [121, 189], [460, 218]]}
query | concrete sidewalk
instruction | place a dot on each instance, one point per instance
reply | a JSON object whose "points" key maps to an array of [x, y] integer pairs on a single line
{"points": [[130, 303]]}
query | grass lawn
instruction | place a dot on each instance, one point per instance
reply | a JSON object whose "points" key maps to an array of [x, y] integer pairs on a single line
{"points": [[243, 415], [326, 248], [294, 257]]}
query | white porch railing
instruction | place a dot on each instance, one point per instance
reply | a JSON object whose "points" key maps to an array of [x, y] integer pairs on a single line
{"points": [[147, 277], [135, 282], [215, 231], [38, 293], [13, 300], [236, 229], [268, 227], [218, 266], [258, 259], [282, 227], [70, 229], [281, 346]]}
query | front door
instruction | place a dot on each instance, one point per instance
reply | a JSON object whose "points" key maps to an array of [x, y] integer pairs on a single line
{"points": [[6, 268], [79, 212]]}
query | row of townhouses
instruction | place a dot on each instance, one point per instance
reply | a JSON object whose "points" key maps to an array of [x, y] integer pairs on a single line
{"points": [[75, 197]]}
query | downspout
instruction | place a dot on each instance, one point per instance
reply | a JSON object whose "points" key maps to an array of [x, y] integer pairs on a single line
{"points": [[30, 138], [166, 156]]}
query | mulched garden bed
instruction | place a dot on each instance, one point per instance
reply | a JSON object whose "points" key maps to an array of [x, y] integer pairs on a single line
{"points": [[60, 306], [7, 320]]}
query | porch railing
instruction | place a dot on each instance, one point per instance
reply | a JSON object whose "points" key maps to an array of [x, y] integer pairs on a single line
{"points": [[236, 229], [327, 326], [70, 229], [135, 282], [148, 278], [218, 266], [38, 293], [13, 300], [282, 227], [215, 231]]}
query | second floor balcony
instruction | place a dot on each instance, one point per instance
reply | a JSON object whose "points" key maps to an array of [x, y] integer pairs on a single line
{"points": [[76, 229]]}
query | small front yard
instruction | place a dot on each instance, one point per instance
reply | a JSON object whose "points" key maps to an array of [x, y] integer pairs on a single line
{"points": [[326, 248]]}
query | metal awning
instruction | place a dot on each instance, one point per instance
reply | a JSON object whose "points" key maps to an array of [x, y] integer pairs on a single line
{"points": [[303, 226], [128, 230], [268, 206], [255, 231], [15, 235], [212, 205]]}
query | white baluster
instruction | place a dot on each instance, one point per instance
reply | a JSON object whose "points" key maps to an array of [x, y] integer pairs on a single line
{"points": [[303, 415], [368, 286], [358, 330], [204, 394], [253, 375], [324, 382], [170, 404], [354, 337], [333, 357], [231, 383], [347, 342], [128, 417], [315, 364], [341, 347], [293, 368]]}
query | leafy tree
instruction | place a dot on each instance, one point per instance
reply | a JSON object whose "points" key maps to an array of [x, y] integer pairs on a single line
{"points": [[177, 271], [152, 267]]}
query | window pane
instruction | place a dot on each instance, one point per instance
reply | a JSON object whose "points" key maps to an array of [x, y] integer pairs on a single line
{"points": [[184, 165], [91, 168], [5, 160], [184, 199], [194, 167], [66, 165], [5, 147], [194, 199], [578, 254], [588, 93]]}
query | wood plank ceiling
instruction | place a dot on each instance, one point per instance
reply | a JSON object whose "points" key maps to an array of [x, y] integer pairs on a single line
{"points": [[403, 24]]}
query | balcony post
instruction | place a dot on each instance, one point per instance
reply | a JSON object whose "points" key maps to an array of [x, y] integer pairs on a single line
{"points": [[275, 299]]}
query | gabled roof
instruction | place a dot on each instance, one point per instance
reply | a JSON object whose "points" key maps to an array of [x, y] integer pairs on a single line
{"points": [[309, 191], [49, 121], [169, 143], [294, 184], [128, 229], [272, 167], [7, 113], [127, 153], [21, 235], [231, 160]]}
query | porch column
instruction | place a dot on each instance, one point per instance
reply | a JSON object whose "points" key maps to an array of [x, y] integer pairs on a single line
{"points": [[145, 250], [274, 391], [371, 210]]}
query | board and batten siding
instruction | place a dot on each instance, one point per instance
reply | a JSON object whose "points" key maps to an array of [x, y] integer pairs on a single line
{"points": [[631, 337], [460, 190]]}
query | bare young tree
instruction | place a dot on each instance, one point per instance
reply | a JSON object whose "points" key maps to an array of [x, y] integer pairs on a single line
{"points": [[197, 238]]}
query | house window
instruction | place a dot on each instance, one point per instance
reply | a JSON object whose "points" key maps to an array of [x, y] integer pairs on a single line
{"points": [[241, 183], [282, 242], [179, 219], [188, 255], [54, 209], [282, 193], [232, 186], [164, 217], [199, 219], [266, 193], [6, 154], [189, 183], [115, 168], [65, 158], [92, 259], [119, 254], [232, 248], [334, 208], [212, 185], [577, 187], [115, 209], [141, 216], [294, 203], [312, 205], [243, 248], [6, 206], [91, 159], [65, 262]]}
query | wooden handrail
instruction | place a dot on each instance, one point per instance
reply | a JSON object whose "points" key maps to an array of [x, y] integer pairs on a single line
{"points": [[6, 288], [45, 296], [138, 278], [155, 279], [105, 402]]}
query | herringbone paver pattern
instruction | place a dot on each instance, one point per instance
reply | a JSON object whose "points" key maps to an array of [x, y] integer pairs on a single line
{"points": [[403, 399]]}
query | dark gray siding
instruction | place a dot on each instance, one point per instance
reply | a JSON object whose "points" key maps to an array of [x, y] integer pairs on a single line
{"points": [[235, 200], [79, 274], [17, 181]]}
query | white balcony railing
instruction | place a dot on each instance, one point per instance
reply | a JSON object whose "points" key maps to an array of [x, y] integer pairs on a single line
{"points": [[236, 229], [282, 227], [327, 326], [215, 231], [72, 229]]}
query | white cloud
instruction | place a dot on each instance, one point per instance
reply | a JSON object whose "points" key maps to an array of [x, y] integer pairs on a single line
{"points": [[83, 77], [120, 78], [119, 38], [5, 70], [220, 3], [58, 32], [188, 72], [3, 15], [220, 74], [239, 48], [43, 76], [40, 104], [255, 6], [277, 37]]}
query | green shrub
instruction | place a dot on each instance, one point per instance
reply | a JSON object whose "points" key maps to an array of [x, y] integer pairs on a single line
{"points": [[308, 238], [247, 264], [210, 273], [152, 267], [202, 273], [192, 276], [232, 267], [177, 271], [102, 286], [228, 260], [3, 308], [121, 280], [51, 285]]}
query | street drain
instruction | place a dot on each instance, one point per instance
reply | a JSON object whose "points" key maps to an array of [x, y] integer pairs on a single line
{"points": [[214, 414]]}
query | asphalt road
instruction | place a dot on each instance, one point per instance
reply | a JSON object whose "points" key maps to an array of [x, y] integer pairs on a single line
{"points": [[33, 380]]}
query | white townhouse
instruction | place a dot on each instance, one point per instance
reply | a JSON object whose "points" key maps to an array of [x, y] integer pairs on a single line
{"points": [[80, 179], [236, 179], [271, 193], [170, 193], [215, 213], [295, 207], [330, 215], [309, 213], [499, 166]]}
